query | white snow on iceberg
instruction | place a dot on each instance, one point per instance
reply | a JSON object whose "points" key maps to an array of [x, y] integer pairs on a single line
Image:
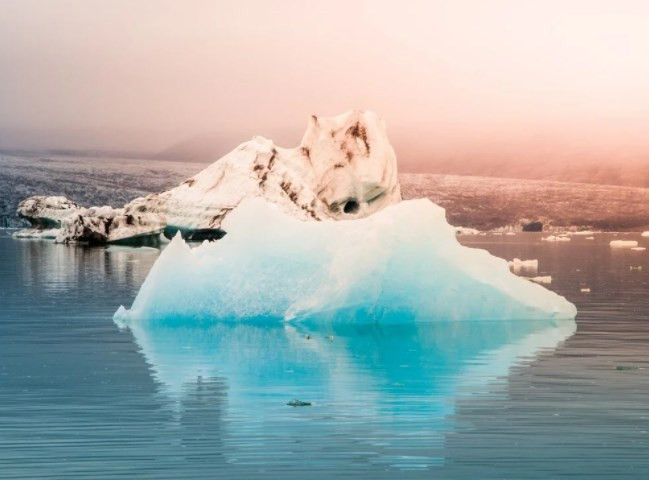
{"points": [[402, 263]]}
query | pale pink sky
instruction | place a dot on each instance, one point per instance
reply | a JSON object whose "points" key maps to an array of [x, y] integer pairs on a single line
{"points": [[452, 78]]}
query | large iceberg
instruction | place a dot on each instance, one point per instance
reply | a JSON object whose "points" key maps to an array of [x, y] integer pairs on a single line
{"points": [[343, 168], [402, 263]]}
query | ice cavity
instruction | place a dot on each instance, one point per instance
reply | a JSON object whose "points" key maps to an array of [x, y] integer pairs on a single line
{"points": [[402, 263], [344, 168]]}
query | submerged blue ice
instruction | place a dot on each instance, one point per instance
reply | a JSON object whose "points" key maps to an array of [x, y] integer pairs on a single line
{"points": [[402, 263]]}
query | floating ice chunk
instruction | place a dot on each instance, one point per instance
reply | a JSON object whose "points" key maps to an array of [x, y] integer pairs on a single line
{"points": [[555, 238], [624, 243], [44, 212], [645, 234], [127, 249], [582, 233], [467, 231], [585, 290], [518, 263], [639, 249], [403, 263], [589, 238], [37, 233], [547, 279]]}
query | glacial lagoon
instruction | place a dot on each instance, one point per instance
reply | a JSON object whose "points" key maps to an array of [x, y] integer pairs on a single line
{"points": [[80, 397]]}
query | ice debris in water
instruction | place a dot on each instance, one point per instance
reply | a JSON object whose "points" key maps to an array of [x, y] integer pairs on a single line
{"points": [[639, 249], [555, 238], [547, 279], [624, 243], [466, 231], [645, 234], [298, 403], [517, 264], [402, 263]]}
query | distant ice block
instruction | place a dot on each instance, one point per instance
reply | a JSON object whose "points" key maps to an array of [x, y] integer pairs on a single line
{"points": [[517, 264], [645, 234], [46, 215], [546, 279], [639, 249], [624, 243], [466, 231], [555, 238], [402, 263]]}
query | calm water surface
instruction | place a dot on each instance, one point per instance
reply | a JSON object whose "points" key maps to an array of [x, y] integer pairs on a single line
{"points": [[80, 398]]}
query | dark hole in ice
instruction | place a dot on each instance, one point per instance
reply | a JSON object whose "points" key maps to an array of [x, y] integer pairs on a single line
{"points": [[535, 226], [351, 206]]}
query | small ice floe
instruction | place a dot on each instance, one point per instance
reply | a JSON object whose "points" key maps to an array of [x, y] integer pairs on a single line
{"points": [[546, 280], [638, 249], [589, 238], [624, 243], [645, 234], [635, 267], [556, 238], [582, 233], [497, 233], [125, 249], [517, 264], [466, 231], [584, 290], [298, 403], [36, 233], [511, 234]]}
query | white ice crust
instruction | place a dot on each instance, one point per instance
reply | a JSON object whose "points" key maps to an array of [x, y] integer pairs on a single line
{"points": [[402, 263]]}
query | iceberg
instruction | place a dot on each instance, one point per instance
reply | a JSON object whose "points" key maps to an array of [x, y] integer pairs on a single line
{"points": [[402, 263], [344, 168], [45, 215]]}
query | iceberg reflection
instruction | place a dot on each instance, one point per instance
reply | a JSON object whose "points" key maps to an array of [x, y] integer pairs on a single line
{"points": [[367, 383]]}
